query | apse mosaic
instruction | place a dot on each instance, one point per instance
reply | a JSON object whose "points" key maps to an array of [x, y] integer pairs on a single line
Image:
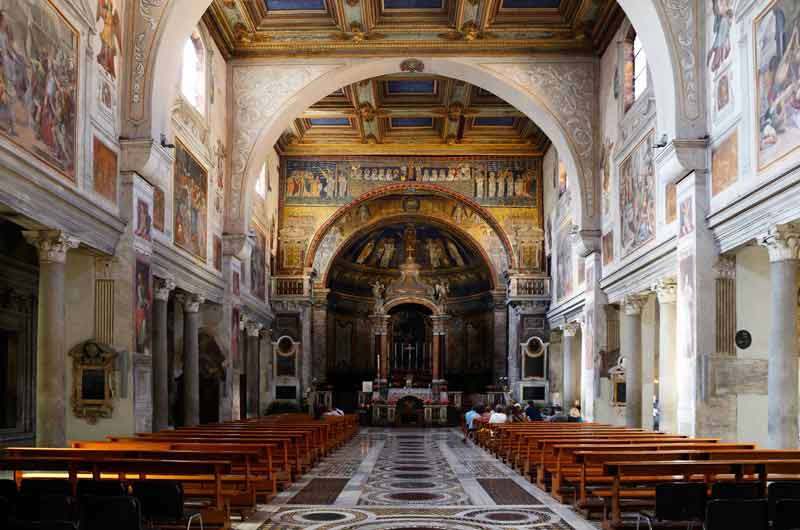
{"points": [[512, 182]]}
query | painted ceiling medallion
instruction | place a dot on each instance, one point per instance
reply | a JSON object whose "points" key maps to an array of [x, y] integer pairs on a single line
{"points": [[357, 34], [469, 32], [412, 65]]}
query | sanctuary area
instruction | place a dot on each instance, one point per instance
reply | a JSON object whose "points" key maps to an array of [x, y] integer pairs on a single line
{"points": [[399, 264]]}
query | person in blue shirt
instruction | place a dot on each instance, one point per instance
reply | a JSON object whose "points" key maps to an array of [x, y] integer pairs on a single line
{"points": [[469, 419], [533, 412]]}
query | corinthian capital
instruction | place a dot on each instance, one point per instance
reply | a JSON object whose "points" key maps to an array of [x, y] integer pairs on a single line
{"points": [[253, 328], [571, 329], [52, 245], [666, 290], [191, 302], [782, 242], [162, 288], [633, 304]]}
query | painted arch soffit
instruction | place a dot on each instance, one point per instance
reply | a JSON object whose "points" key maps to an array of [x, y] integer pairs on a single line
{"points": [[566, 90], [260, 91], [461, 215]]}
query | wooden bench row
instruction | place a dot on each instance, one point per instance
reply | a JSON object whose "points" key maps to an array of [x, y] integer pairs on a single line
{"points": [[227, 467]]}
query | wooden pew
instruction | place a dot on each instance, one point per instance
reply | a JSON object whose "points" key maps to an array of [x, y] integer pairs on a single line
{"points": [[215, 514], [708, 470]]}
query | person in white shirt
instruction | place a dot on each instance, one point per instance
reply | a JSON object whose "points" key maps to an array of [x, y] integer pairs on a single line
{"points": [[498, 416]]}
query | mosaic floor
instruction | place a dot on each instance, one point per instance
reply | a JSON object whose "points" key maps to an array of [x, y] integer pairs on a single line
{"points": [[413, 480]]}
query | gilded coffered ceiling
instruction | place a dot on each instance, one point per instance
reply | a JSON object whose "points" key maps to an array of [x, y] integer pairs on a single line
{"points": [[412, 114], [353, 27]]}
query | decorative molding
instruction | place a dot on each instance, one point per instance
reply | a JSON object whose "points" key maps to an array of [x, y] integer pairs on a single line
{"points": [[259, 92], [412, 65], [725, 267], [52, 245], [684, 28], [782, 241], [567, 91], [194, 125], [144, 16]]}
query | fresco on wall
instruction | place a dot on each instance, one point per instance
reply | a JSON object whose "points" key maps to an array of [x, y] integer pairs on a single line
{"points": [[235, 336], [608, 248], [777, 59], [723, 91], [143, 220], [143, 300], [725, 163], [637, 205], [39, 88], [105, 171], [235, 283], [720, 47], [686, 224], [217, 253], [561, 178], [258, 260], [490, 182], [191, 203], [564, 268], [670, 203], [109, 27], [686, 294], [158, 209]]}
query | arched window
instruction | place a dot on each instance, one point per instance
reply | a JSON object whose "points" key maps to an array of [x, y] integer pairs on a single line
{"points": [[635, 68], [193, 79], [261, 183]]}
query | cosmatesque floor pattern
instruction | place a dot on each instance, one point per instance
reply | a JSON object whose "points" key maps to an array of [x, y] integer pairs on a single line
{"points": [[414, 479]]}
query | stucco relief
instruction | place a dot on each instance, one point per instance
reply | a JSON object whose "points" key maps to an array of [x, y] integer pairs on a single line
{"points": [[567, 91], [258, 93], [683, 28], [145, 20]]}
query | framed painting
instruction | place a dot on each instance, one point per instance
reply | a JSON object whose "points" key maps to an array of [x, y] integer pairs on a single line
{"points": [[105, 171], [725, 163], [670, 203], [637, 205], [258, 265], [608, 248], [217, 249], [39, 107], [190, 204], [776, 79], [143, 300]]}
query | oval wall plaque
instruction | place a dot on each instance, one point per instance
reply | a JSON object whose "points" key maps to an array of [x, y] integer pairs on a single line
{"points": [[743, 339]]}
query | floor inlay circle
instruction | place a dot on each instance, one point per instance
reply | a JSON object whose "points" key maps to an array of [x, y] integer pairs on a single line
{"points": [[413, 485], [410, 476], [324, 516], [415, 496]]}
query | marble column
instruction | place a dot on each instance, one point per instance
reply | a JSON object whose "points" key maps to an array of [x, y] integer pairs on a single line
{"points": [[438, 353], [380, 330], [569, 366], [499, 368], [191, 358], [320, 337], [252, 368], [51, 361], [783, 244], [162, 289], [630, 349], [513, 358], [667, 293]]}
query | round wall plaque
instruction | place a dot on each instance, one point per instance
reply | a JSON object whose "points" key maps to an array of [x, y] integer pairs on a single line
{"points": [[743, 339]]}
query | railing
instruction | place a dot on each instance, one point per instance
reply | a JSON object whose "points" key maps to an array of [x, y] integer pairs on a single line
{"points": [[290, 286], [529, 286]]}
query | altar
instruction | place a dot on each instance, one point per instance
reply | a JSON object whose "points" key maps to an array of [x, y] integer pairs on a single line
{"points": [[423, 394]]}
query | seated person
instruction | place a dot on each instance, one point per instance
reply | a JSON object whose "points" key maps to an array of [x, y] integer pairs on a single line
{"points": [[517, 414], [470, 417], [498, 416], [532, 412]]}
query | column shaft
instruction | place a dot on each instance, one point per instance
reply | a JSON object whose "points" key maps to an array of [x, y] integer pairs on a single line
{"points": [[782, 372], [160, 365], [51, 382], [631, 351], [252, 370], [667, 368], [191, 361], [568, 365]]}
